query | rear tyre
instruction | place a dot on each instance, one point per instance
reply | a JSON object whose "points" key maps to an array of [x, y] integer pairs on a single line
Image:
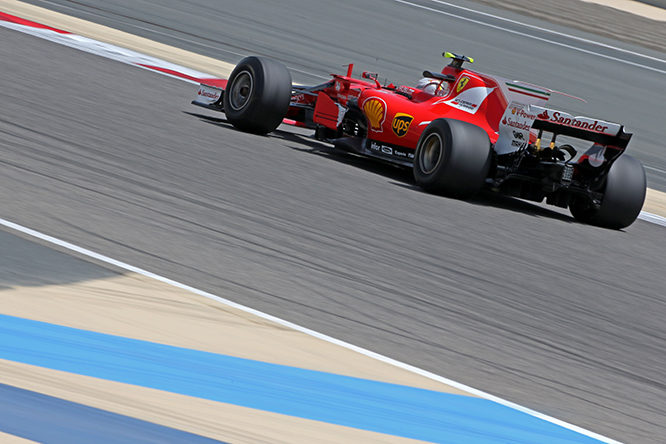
{"points": [[257, 95], [624, 194], [452, 158]]}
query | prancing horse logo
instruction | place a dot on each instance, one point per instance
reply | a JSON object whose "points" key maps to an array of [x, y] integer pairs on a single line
{"points": [[461, 83]]}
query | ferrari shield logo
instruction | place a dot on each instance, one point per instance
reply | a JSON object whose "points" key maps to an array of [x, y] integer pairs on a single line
{"points": [[462, 83], [401, 123]]}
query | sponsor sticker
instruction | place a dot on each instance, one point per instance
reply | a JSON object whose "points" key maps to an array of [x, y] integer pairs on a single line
{"points": [[375, 111], [401, 123], [584, 123], [595, 155], [392, 151], [514, 130], [208, 95], [403, 154], [597, 158], [376, 147], [468, 100]]}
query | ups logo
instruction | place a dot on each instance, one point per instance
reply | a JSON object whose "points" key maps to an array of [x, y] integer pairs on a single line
{"points": [[462, 83], [401, 123]]}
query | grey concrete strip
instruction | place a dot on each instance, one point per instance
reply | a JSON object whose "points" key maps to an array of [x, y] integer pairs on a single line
{"points": [[26, 264], [47, 419], [512, 298], [198, 416], [657, 3]]}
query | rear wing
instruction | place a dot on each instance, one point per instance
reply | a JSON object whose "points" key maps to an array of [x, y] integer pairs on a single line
{"points": [[519, 119], [581, 127]]}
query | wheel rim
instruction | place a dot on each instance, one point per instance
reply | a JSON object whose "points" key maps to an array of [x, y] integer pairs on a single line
{"points": [[241, 91], [431, 153]]}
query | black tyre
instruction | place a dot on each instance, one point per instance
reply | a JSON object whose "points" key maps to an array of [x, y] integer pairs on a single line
{"points": [[257, 95], [452, 158], [624, 194]]}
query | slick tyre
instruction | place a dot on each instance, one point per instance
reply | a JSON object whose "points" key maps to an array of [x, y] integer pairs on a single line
{"points": [[257, 95], [624, 194], [452, 158]]}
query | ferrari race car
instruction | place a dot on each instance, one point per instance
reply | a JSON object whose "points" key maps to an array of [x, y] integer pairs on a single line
{"points": [[459, 130]]}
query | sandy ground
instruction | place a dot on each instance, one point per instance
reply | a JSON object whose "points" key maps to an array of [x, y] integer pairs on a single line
{"points": [[134, 306], [11, 439], [212, 419], [655, 202], [138, 307], [638, 8]]}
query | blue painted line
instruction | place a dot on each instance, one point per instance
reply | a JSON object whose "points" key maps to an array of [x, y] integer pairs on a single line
{"points": [[46, 419], [370, 405]]}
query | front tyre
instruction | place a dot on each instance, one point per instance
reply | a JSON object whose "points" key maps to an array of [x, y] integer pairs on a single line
{"points": [[257, 95], [624, 194], [452, 158]]}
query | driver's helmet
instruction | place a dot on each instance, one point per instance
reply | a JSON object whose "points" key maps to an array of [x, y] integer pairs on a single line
{"points": [[432, 86]]}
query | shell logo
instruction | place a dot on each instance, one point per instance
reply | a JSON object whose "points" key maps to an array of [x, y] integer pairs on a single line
{"points": [[375, 111]]}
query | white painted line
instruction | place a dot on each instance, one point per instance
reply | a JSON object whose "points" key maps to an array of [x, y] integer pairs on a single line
{"points": [[307, 331], [562, 34], [522, 34], [654, 169], [652, 218], [110, 51]]}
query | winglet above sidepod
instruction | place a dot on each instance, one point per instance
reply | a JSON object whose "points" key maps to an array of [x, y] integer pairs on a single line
{"points": [[457, 59]]}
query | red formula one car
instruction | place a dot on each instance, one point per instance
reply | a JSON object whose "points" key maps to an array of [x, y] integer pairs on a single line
{"points": [[459, 130]]}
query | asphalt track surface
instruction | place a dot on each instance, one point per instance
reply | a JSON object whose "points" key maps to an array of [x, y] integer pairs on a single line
{"points": [[509, 297], [399, 39]]}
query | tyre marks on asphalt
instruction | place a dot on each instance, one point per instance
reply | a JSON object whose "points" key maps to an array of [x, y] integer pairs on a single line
{"points": [[655, 201], [74, 365]]}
